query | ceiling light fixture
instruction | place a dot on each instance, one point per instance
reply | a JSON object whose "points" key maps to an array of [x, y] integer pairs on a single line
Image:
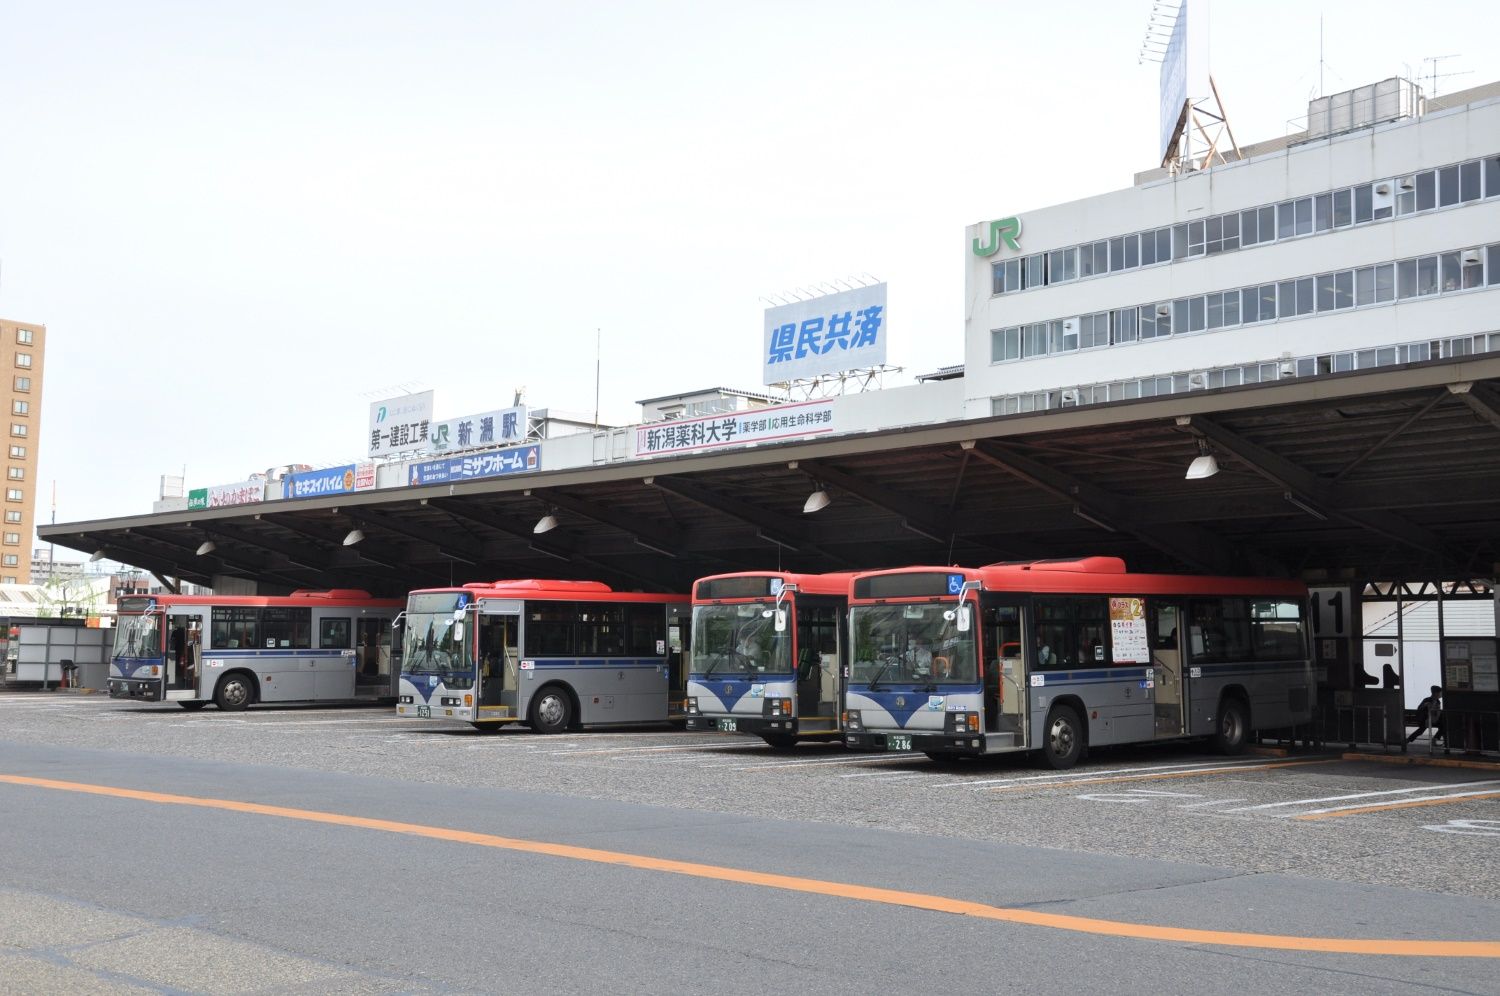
{"points": [[1204, 465], [206, 547], [816, 502], [355, 536], [545, 524]]}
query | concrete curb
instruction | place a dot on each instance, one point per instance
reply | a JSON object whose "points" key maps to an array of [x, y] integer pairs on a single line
{"points": [[1424, 760]]}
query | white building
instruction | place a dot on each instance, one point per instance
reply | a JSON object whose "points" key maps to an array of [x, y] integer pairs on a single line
{"points": [[1322, 253]]}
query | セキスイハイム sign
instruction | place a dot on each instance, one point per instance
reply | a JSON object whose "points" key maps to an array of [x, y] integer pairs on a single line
{"points": [[317, 483], [844, 331]]}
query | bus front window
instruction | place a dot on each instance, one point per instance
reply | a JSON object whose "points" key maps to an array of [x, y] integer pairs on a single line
{"points": [[911, 643], [436, 641], [138, 636], [739, 640]]}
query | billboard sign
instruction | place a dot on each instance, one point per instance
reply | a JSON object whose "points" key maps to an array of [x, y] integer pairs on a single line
{"points": [[825, 335], [757, 425], [1184, 68], [223, 495], [473, 466], [321, 483], [487, 429], [400, 425]]}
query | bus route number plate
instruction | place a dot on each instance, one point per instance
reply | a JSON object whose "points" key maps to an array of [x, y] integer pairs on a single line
{"points": [[424, 712], [897, 742], [728, 725]]}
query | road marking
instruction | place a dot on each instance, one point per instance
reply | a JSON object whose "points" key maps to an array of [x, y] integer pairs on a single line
{"points": [[1362, 795], [820, 887], [1092, 772], [1210, 802], [1159, 775], [1381, 807]]}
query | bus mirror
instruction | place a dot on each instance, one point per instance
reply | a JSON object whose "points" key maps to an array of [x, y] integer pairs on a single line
{"points": [[781, 620], [458, 615], [963, 618], [458, 632]]}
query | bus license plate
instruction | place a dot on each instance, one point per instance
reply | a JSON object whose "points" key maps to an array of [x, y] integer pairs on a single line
{"points": [[897, 742], [424, 712], [728, 725]]}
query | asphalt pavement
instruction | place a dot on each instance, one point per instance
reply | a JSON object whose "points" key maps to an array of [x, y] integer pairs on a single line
{"points": [[652, 860]]}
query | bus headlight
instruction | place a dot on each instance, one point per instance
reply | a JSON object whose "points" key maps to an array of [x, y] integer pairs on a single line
{"points": [[405, 699], [778, 707], [853, 721], [692, 705]]}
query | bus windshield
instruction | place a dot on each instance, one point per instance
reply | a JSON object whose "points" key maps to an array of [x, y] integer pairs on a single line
{"points": [[911, 643], [435, 641], [138, 636], [740, 639]]}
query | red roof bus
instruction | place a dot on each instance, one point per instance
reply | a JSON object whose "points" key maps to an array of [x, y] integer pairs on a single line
{"points": [[553, 654], [236, 650], [768, 657], [1057, 656]]}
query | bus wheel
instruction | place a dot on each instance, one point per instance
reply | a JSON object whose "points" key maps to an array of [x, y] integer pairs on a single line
{"points": [[1233, 729], [193, 706], [551, 711], [234, 692], [1063, 742], [780, 741]]}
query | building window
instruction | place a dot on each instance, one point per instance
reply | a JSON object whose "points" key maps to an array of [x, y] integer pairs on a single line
{"points": [[14, 494], [12, 560], [12, 539], [9, 579], [17, 473], [18, 428], [23, 360], [13, 515], [19, 407], [23, 336], [18, 452], [23, 383]]}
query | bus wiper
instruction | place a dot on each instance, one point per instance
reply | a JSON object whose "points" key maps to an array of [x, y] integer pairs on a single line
{"points": [[874, 682]]}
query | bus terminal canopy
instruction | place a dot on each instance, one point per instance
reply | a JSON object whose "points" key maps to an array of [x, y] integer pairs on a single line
{"points": [[1392, 473]]}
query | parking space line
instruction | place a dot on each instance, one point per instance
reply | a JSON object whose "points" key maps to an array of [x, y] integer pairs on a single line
{"points": [[1159, 775], [1094, 772], [1381, 807], [790, 883], [1362, 795]]}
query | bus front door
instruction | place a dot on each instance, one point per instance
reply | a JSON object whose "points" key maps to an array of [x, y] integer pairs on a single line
{"points": [[1166, 669], [499, 665], [1005, 685]]}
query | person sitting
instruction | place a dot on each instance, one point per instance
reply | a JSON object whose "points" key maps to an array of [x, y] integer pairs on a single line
{"points": [[1430, 714]]}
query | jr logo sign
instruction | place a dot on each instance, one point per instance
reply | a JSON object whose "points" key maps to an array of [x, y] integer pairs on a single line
{"points": [[1006, 231]]}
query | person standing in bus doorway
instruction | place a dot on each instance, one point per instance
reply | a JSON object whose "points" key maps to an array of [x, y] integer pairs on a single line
{"points": [[1430, 713]]}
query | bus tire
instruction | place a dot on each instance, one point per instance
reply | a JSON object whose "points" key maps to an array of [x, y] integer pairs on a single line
{"points": [[193, 706], [551, 710], [1062, 738], [235, 691], [779, 741], [1233, 728]]}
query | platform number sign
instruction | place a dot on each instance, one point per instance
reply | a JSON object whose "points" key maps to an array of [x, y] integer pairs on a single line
{"points": [[1330, 612]]}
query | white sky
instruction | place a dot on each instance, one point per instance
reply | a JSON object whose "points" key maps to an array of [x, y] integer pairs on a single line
{"points": [[240, 221]]}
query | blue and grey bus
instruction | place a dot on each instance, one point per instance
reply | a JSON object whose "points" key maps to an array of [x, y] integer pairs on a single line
{"points": [[1053, 657], [237, 650], [768, 655], [555, 655]]}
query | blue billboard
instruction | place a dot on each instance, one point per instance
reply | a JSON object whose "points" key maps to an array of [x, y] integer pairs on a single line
{"points": [[472, 466]]}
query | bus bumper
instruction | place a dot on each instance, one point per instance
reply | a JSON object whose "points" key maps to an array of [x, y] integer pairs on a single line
{"points": [[754, 726], [934, 743], [129, 688]]}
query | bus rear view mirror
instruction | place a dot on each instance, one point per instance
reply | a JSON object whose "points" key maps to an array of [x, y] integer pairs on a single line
{"points": [[963, 618], [458, 632], [781, 620]]}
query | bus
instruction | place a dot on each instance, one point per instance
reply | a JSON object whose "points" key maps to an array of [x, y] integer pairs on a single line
{"points": [[237, 650], [1053, 657], [555, 655], [768, 654]]}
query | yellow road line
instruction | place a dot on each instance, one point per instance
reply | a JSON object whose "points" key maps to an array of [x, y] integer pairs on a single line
{"points": [[838, 890], [1382, 807], [1152, 777]]}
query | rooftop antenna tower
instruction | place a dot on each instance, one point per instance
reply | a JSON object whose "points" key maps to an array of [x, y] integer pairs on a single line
{"points": [[1432, 77], [1195, 132]]}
